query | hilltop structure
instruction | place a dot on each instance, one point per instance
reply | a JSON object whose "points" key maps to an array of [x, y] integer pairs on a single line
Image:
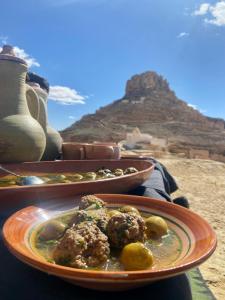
{"points": [[153, 107]]}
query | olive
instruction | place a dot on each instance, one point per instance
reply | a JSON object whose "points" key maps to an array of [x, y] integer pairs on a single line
{"points": [[52, 181], [130, 170], [110, 175], [7, 183], [55, 178], [52, 230], [58, 177], [75, 177], [118, 172], [107, 171], [101, 172], [156, 227], [136, 256], [129, 209], [45, 179], [90, 175], [113, 212]]}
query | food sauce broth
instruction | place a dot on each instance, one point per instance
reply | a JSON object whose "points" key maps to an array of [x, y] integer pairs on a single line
{"points": [[166, 250]]}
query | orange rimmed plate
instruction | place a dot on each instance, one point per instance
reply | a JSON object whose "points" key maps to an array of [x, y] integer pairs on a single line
{"points": [[119, 184], [197, 238]]}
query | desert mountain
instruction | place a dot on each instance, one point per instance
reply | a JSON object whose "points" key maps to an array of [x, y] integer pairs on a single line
{"points": [[153, 107]]}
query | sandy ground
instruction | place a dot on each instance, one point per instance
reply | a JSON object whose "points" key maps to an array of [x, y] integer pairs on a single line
{"points": [[203, 183]]}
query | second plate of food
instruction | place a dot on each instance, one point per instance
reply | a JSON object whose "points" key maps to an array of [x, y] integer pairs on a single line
{"points": [[64, 178], [110, 242]]}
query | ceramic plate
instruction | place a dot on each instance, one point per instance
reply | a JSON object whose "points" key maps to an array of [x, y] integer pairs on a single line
{"points": [[112, 185], [198, 242]]}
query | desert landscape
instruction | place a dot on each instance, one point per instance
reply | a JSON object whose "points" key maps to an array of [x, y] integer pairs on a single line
{"points": [[203, 183]]}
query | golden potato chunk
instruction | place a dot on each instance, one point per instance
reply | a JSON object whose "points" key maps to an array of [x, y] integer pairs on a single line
{"points": [[156, 227], [136, 256], [129, 209], [113, 212]]}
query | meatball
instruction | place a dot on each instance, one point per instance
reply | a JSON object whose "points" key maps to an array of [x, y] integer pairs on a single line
{"points": [[82, 246], [100, 218], [91, 201], [78, 217], [125, 228]]}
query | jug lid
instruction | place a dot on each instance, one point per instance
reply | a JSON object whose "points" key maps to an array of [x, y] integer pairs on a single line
{"points": [[8, 53]]}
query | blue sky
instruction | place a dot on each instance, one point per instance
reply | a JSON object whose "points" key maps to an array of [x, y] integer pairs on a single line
{"points": [[88, 49]]}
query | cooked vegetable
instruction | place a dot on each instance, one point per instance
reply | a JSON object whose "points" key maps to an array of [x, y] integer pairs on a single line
{"points": [[114, 212], [75, 177], [90, 175], [118, 172], [136, 256], [106, 239], [130, 170], [7, 182], [109, 175], [101, 172], [78, 217], [52, 230], [54, 178], [129, 209], [156, 227]]}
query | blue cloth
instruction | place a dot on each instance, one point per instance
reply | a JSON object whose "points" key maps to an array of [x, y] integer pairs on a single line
{"points": [[159, 185]]}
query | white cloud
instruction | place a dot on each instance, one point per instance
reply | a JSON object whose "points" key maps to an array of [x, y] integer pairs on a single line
{"points": [[203, 9], [71, 117], [216, 13], [65, 95], [182, 34], [193, 106], [31, 62]]}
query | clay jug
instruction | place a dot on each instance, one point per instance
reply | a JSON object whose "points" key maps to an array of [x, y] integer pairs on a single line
{"points": [[53, 138], [21, 136]]}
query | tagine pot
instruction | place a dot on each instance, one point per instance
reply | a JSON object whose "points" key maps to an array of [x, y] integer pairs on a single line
{"points": [[21, 136], [53, 138]]}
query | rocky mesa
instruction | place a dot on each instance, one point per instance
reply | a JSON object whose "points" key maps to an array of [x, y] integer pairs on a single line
{"points": [[154, 108]]}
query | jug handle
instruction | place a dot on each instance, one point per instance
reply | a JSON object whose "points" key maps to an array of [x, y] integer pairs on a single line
{"points": [[32, 102], [42, 118]]}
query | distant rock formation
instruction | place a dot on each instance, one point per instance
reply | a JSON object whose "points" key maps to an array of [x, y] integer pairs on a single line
{"points": [[153, 107]]}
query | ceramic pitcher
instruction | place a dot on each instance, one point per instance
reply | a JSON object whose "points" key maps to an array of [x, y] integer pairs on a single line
{"points": [[53, 138], [21, 136]]}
